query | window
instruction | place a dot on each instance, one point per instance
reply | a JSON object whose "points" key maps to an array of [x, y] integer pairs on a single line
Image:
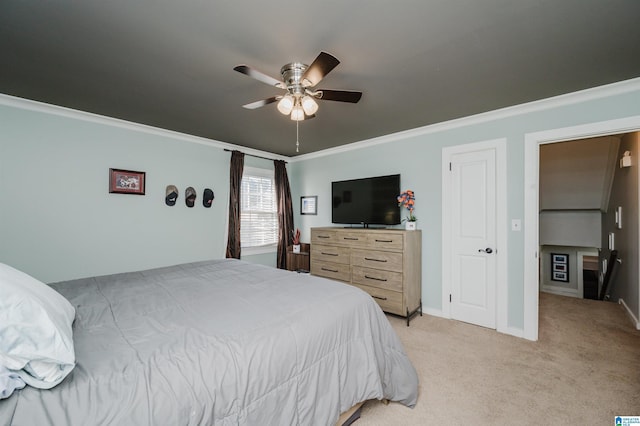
{"points": [[258, 212]]}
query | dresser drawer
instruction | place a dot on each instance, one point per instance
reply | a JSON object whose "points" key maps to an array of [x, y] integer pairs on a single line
{"points": [[389, 301], [319, 236], [388, 261], [333, 254], [382, 241], [336, 271], [352, 239], [377, 278]]}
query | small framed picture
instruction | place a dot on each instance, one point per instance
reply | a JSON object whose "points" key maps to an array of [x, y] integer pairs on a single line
{"points": [[309, 204], [126, 182], [559, 258], [560, 276], [560, 267]]}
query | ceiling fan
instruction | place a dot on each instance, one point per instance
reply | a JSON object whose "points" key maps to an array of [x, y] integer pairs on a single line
{"points": [[299, 80]]}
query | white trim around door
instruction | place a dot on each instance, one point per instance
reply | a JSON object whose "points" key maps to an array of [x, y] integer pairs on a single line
{"points": [[532, 142], [500, 146]]}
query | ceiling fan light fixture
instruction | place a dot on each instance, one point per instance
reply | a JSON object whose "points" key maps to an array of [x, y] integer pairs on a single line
{"points": [[285, 106], [297, 113], [298, 79], [309, 105]]}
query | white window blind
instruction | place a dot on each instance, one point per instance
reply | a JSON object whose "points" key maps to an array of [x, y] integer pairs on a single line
{"points": [[258, 211]]}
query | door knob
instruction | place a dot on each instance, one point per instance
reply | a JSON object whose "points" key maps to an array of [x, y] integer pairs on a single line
{"points": [[488, 250]]}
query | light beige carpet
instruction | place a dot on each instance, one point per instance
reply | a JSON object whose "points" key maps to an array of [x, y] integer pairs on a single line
{"points": [[583, 370]]}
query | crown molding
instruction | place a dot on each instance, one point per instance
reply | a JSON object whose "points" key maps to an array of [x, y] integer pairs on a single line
{"points": [[36, 106], [585, 95]]}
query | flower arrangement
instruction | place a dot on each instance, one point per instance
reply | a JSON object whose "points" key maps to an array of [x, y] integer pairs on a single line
{"points": [[407, 200], [296, 240]]}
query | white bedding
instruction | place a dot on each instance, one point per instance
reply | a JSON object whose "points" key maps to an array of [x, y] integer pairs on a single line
{"points": [[9, 382], [36, 342], [221, 342]]}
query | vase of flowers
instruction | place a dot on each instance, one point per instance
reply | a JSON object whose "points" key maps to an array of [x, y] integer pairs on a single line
{"points": [[407, 200], [296, 241]]}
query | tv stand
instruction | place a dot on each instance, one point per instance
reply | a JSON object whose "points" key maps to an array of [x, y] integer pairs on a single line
{"points": [[386, 263]]}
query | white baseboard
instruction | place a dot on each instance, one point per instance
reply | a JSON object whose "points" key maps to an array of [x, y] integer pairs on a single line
{"points": [[571, 292], [516, 332], [432, 311], [631, 315]]}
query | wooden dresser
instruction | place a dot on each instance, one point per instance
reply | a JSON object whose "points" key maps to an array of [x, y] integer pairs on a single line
{"points": [[386, 263]]}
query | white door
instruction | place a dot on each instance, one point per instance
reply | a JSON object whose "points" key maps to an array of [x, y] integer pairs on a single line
{"points": [[473, 237]]}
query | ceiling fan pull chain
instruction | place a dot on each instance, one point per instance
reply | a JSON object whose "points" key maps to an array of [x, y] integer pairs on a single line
{"points": [[297, 143]]}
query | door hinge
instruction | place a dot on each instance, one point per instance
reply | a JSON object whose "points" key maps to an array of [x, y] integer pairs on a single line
{"points": [[449, 298], [449, 166]]}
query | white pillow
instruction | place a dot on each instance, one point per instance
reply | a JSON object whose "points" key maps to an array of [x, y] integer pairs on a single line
{"points": [[36, 338]]}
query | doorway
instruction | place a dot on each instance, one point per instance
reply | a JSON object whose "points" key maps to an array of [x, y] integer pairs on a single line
{"points": [[531, 202], [575, 187]]}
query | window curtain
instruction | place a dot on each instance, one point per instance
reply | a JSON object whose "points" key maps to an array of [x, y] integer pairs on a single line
{"points": [[285, 212], [235, 174]]}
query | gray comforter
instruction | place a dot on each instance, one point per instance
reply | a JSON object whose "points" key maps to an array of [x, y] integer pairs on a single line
{"points": [[221, 342]]}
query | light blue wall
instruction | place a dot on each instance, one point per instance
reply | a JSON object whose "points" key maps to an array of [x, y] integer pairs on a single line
{"points": [[418, 159], [58, 221]]}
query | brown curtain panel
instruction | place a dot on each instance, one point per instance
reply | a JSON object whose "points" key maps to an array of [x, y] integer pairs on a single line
{"points": [[235, 174], [285, 212]]}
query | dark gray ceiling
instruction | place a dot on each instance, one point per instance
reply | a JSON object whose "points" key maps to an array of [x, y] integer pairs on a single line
{"points": [[170, 64]]}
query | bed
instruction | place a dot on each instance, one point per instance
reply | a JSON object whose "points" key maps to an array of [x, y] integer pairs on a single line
{"points": [[221, 342]]}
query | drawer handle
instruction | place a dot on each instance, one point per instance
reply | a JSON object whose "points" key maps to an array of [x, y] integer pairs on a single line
{"points": [[329, 270], [374, 278], [350, 238], [329, 254], [323, 236], [375, 260], [384, 241], [378, 297]]}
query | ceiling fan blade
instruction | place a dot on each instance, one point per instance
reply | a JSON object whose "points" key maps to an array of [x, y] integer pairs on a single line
{"points": [[258, 104], [339, 95], [319, 68], [260, 76]]}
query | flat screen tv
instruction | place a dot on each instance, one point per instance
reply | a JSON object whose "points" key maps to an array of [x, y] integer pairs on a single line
{"points": [[368, 201]]}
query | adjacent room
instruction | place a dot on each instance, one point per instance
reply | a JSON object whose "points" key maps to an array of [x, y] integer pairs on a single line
{"points": [[367, 212]]}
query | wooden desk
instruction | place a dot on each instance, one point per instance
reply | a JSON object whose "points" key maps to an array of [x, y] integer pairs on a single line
{"points": [[299, 261]]}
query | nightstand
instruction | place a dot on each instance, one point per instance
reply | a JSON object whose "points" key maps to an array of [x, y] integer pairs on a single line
{"points": [[299, 261]]}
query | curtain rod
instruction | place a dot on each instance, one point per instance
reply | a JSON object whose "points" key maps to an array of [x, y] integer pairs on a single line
{"points": [[252, 155]]}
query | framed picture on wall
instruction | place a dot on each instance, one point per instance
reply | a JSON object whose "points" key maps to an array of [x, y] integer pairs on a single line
{"points": [[560, 276], [560, 267], [309, 204], [126, 182]]}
